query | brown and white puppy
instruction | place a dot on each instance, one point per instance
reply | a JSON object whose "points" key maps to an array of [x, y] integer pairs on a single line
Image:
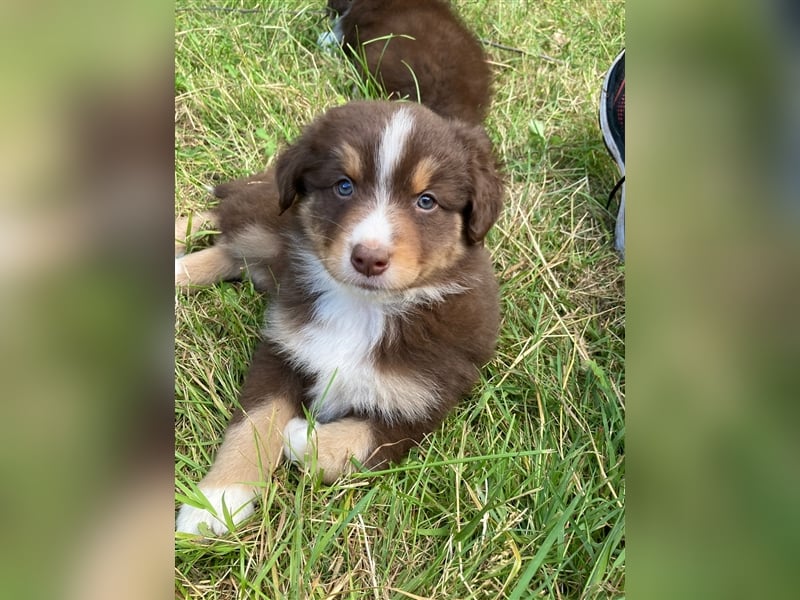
{"points": [[369, 231], [418, 49]]}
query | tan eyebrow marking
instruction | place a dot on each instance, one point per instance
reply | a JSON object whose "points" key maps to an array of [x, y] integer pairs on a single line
{"points": [[422, 175], [351, 161]]}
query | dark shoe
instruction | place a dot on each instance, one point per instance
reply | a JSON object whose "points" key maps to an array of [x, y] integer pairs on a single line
{"points": [[612, 123]]}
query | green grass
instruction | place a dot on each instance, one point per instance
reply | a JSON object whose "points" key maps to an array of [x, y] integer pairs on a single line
{"points": [[521, 493]]}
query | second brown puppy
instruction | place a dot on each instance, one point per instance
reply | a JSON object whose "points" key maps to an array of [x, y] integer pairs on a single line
{"points": [[418, 49]]}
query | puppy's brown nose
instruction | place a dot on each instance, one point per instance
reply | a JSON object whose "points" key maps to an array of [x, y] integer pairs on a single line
{"points": [[369, 261]]}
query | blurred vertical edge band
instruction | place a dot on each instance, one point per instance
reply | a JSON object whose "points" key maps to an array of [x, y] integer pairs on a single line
{"points": [[712, 271], [86, 304]]}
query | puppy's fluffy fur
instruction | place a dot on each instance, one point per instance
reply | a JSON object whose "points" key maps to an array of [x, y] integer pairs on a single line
{"points": [[369, 233], [417, 49]]}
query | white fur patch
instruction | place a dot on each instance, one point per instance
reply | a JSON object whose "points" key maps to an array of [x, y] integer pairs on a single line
{"points": [[375, 228], [295, 440], [237, 500], [358, 387], [180, 270], [391, 149], [336, 346], [329, 40]]}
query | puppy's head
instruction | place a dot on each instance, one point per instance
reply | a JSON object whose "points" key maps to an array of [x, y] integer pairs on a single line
{"points": [[390, 194]]}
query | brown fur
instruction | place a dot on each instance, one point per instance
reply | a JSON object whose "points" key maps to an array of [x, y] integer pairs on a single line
{"points": [[432, 52], [428, 351]]}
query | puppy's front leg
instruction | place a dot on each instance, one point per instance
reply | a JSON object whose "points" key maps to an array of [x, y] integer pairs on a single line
{"points": [[206, 267], [332, 446], [251, 450]]}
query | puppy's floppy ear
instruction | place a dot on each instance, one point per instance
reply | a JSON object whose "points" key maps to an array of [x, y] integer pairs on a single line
{"points": [[487, 186], [289, 171]]}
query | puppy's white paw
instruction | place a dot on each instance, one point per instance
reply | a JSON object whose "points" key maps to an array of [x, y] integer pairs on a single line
{"points": [[236, 500], [295, 440], [181, 276], [328, 41]]}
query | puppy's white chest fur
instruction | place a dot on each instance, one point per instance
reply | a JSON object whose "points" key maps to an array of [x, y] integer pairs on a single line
{"points": [[338, 344], [337, 347]]}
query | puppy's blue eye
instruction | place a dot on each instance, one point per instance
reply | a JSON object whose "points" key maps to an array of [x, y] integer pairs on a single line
{"points": [[426, 202], [344, 187]]}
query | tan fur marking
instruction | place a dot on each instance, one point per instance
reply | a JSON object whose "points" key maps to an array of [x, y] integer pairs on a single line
{"points": [[405, 264], [253, 447], [337, 442], [255, 242], [423, 174], [351, 161], [446, 255], [206, 267], [311, 229], [185, 227]]}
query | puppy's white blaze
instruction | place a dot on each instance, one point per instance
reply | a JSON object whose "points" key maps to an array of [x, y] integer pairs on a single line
{"points": [[392, 148], [237, 500], [375, 228]]}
